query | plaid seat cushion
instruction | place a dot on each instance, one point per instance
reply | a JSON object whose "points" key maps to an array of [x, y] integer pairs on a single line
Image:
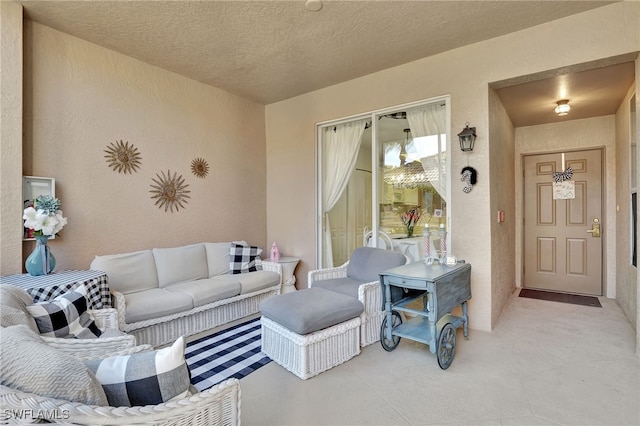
{"points": [[144, 378], [245, 258], [65, 316]]}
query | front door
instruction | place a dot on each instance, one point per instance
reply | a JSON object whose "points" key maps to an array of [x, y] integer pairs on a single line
{"points": [[563, 235]]}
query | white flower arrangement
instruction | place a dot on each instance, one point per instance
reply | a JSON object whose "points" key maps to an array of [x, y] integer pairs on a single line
{"points": [[45, 218]]}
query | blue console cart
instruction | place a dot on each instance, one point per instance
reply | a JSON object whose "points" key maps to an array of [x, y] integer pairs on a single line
{"points": [[441, 288]]}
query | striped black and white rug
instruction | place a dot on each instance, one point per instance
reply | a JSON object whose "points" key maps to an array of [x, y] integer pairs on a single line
{"points": [[234, 352]]}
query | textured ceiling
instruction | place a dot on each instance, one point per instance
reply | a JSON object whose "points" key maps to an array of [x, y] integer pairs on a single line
{"points": [[268, 51]]}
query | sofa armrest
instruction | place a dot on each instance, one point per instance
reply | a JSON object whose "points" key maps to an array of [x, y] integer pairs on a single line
{"points": [[120, 305], [327, 273], [268, 265]]}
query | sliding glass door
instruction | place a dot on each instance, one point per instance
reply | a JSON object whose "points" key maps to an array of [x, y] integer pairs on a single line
{"points": [[387, 173]]}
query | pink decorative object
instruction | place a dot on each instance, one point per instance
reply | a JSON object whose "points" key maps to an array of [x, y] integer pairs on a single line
{"points": [[275, 252]]}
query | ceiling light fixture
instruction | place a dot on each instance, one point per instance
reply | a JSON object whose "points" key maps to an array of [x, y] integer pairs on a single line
{"points": [[563, 107], [313, 5]]}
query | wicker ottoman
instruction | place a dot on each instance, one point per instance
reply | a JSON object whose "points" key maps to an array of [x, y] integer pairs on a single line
{"points": [[311, 330]]}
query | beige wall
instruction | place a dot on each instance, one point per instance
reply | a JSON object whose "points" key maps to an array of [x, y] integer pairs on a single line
{"points": [[80, 97], [10, 136], [627, 274], [503, 182], [463, 73]]}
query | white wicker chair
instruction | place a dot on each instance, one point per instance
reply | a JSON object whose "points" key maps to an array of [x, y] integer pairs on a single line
{"points": [[15, 299], [369, 294], [219, 405]]}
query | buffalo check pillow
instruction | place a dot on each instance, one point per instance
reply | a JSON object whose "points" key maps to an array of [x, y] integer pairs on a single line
{"points": [[65, 316], [245, 258], [144, 378]]}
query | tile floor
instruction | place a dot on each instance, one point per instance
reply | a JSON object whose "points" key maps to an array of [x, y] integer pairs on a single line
{"points": [[545, 363]]}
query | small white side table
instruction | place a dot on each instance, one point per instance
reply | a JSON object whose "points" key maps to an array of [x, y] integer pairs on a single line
{"points": [[288, 278]]}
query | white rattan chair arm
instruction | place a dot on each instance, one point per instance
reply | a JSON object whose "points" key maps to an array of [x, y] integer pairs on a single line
{"points": [[371, 297], [327, 273], [120, 305], [91, 348], [219, 405], [105, 318], [128, 351]]}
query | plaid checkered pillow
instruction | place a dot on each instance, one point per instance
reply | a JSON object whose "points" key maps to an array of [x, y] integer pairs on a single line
{"points": [[144, 378], [65, 316], [245, 258]]}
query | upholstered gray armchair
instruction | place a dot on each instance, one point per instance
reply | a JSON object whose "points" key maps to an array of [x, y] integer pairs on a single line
{"points": [[359, 278]]}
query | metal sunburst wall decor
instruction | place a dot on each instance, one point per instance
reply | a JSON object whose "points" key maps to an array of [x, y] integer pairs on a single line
{"points": [[170, 191], [122, 157], [199, 167]]}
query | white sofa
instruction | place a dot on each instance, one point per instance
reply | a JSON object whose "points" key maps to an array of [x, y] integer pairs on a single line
{"points": [[164, 293]]}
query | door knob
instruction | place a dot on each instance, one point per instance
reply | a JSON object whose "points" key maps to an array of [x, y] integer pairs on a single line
{"points": [[595, 228]]}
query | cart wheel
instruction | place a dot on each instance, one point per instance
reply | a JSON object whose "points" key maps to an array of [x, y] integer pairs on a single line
{"points": [[387, 344], [446, 345]]}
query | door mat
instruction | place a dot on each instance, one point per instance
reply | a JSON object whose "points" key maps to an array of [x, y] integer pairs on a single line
{"points": [[235, 352], [575, 299]]}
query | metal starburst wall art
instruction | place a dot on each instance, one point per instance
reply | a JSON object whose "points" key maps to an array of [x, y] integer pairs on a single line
{"points": [[199, 167], [170, 191], [122, 157]]}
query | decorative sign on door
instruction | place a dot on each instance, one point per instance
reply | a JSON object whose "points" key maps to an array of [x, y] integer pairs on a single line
{"points": [[564, 190]]}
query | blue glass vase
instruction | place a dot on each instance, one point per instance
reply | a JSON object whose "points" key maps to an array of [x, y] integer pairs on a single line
{"points": [[41, 260]]}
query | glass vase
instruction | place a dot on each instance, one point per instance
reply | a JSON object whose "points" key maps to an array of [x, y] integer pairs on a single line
{"points": [[41, 260], [409, 231]]}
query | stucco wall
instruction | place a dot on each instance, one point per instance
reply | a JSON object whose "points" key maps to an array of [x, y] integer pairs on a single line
{"points": [[464, 74], [80, 97], [10, 136], [627, 274], [503, 182]]}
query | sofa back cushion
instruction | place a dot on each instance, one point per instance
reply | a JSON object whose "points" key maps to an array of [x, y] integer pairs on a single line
{"points": [[217, 258], [180, 264], [367, 262], [128, 272]]}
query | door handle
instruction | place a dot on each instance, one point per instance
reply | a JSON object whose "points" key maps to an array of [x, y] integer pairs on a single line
{"points": [[595, 228]]}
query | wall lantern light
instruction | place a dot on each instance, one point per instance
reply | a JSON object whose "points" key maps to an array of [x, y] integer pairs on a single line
{"points": [[467, 138]]}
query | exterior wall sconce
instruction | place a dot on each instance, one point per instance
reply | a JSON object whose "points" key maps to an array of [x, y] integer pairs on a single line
{"points": [[467, 138], [563, 107]]}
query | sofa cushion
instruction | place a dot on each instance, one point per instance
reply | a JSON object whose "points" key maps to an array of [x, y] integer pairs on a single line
{"points": [[208, 290], [65, 316], [244, 258], [310, 310], [155, 303], [128, 272], [366, 263], [345, 285], [180, 264], [13, 307], [258, 280], [144, 378], [217, 258], [30, 365]]}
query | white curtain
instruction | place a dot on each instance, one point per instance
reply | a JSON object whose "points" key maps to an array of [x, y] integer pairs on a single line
{"points": [[427, 121], [340, 151]]}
